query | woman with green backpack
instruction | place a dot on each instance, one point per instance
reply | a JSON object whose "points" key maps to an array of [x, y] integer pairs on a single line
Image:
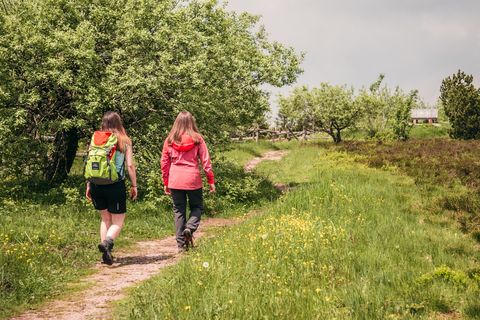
{"points": [[110, 152]]}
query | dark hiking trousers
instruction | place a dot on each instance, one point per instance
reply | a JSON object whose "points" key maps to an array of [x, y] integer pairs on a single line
{"points": [[195, 203]]}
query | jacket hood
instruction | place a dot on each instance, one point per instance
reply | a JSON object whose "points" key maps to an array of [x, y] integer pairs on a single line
{"points": [[187, 144]]}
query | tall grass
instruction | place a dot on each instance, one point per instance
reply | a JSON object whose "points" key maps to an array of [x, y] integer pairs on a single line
{"points": [[44, 247], [48, 236], [347, 242], [449, 166]]}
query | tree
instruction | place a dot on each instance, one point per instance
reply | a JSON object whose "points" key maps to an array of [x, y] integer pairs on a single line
{"points": [[328, 109], [402, 123], [296, 111], [63, 63], [334, 109], [461, 103], [376, 108], [386, 115]]}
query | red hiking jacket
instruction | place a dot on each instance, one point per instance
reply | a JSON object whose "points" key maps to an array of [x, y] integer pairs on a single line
{"points": [[180, 164]]}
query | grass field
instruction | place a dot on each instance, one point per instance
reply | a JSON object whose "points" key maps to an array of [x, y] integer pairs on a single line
{"points": [[48, 237], [347, 242], [428, 131], [448, 169]]}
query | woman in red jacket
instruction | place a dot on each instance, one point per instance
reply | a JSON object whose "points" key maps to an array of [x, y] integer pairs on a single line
{"points": [[182, 151]]}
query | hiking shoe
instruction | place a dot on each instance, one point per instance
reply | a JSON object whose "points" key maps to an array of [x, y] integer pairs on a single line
{"points": [[187, 233], [105, 249]]}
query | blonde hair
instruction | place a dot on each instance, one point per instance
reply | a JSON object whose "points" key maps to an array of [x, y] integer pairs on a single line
{"points": [[184, 124], [112, 122]]}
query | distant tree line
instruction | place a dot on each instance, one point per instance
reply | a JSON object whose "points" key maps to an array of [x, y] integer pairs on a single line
{"points": [[378, 110]]}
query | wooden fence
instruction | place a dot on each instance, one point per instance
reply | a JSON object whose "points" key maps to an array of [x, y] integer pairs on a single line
{"points": [[274, 135]]}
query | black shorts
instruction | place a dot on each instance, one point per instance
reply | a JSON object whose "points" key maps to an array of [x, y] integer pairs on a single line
{"points": [[112, 197]]}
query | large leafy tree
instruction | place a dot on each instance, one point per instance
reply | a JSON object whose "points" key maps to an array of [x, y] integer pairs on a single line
{"points": [[334, 109], [296, 111], [327, 108], [461, 104], [63, 63]]}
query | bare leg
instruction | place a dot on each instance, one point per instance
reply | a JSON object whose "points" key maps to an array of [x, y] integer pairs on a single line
{"points": [[116, 226], [105, 224]]}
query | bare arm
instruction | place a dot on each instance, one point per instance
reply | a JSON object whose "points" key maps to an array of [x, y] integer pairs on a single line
{"points": [[132, 173]]}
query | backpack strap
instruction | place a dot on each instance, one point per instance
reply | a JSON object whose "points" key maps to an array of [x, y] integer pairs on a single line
{"points": [[122, 168]]}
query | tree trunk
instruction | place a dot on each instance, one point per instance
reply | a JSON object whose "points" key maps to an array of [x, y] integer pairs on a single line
{"points": [[61, 160], [337, 137]]}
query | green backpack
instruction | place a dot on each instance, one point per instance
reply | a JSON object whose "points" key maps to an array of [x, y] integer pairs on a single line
{"points": [[100, 162]]}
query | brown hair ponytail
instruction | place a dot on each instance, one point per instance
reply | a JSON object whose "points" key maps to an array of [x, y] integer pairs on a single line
{"points": [[112, 122]]}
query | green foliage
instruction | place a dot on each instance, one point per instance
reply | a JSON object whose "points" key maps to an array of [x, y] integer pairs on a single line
{"points": [[334, 109], [345, 243], [64, 63], [376, 108], [236, 188], [461, 103], [378, 112], [386, 115], [296, 112], [328, 109], [402, 123]]}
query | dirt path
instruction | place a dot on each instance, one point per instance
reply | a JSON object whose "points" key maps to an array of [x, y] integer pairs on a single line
{"points": [[275, 155], [108, 282], [147, 258]]}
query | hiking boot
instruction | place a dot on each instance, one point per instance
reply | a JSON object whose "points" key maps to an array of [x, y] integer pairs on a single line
{"points": [[187, 233], [106, 249]]}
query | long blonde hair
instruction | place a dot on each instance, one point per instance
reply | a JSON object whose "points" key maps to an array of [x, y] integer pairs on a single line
{"points": [[112, 122], [184, 124]]}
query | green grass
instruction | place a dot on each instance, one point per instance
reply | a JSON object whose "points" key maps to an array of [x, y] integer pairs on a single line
{"points": [[242, 152], [428, 131], [448, 169], [347, 242], [44, 247], [48, 236]]}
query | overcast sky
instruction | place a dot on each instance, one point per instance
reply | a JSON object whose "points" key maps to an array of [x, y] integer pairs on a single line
{"points": [[416, 43]]}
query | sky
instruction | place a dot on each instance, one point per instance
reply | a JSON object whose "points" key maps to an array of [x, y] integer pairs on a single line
{"points": [[415, 43]]}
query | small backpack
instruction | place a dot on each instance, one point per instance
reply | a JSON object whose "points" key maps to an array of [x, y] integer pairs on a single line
{"points": [[100, 161]]}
